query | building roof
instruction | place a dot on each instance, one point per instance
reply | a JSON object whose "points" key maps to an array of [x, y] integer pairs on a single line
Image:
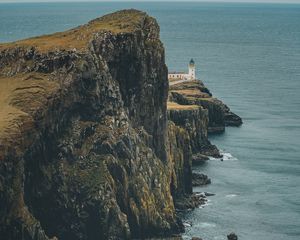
{"points": [[192, 62], [177, 73]]}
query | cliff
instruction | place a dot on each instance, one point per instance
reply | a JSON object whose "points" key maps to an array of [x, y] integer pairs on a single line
{"points": [[83, 133], [88, 149], [192, 114]]}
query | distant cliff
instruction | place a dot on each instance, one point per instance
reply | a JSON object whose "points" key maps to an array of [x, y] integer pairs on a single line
{"points": [[86, 147]]}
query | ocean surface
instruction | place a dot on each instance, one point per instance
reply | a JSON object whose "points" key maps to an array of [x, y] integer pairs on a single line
{"points": [[249, 56]]}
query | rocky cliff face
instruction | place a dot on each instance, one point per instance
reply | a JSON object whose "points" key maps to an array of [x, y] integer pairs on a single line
{"points": [[83, 133], [88, 149]]}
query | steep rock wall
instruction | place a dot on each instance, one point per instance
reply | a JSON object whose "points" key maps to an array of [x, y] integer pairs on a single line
{"points": [[83, 136], [180, 155], [195, 121]]}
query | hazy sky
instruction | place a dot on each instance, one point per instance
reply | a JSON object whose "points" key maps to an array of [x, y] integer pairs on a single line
{"points": [[262, 1]]}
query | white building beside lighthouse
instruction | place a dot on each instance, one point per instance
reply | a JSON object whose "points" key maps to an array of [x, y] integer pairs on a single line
{"points": [[191, 75]]}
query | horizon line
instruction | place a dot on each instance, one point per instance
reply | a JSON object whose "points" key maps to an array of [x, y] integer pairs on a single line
{"points": [[147, 1]]}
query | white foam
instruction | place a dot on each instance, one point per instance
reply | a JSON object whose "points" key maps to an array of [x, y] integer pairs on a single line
{"points": [[207, 203], [187, 224], [226, 157], [207, 225], [201, 194], [231, 195], [218, 237]]}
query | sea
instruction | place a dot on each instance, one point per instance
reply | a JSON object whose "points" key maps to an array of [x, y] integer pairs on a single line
{"points": [[248, 55]]}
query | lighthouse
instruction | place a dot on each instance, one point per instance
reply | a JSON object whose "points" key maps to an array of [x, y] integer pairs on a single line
{"points": [[192, 73]]}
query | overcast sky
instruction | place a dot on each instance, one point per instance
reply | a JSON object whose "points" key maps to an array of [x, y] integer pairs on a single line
{"points": [[265, 1]]}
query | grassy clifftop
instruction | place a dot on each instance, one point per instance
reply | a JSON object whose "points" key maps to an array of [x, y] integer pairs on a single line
{"points": [[119, 22], [176, 106], [27, 66]]}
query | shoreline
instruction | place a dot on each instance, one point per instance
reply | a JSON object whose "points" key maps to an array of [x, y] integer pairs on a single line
{"points": [[190, 93]]}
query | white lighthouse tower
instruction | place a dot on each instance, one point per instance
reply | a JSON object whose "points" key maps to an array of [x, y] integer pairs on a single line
{"points": [[191, 75], [192, 70]]}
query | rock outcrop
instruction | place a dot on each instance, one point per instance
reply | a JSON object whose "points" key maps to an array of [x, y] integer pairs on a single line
{"points": [[232, 236], [195, 93], [200, 179], [88, 149]]}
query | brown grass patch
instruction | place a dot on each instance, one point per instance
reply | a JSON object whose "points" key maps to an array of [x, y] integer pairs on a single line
{"points": [[21, 95], [176, 106]]}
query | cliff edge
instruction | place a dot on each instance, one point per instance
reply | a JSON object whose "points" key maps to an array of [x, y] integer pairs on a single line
{"points": [[83, 133]]}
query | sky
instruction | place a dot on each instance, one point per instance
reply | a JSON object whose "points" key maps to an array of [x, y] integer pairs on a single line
{"points": [[256, 1]]}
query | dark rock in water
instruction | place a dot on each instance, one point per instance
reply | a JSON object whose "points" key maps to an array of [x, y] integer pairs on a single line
{"points": [[196, 238], [190, 201], [200, 179], [207, 194], [231, 119], [210, 150], [199, 159], [232, 236]]}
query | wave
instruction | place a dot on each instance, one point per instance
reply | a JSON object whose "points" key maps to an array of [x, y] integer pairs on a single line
{"points": [[187, 224], [207, 225], [207, 203], [231, 195], [226, 157]]}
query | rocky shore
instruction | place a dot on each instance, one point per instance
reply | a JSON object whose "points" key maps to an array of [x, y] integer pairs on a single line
{"points": [[94, 143]]}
